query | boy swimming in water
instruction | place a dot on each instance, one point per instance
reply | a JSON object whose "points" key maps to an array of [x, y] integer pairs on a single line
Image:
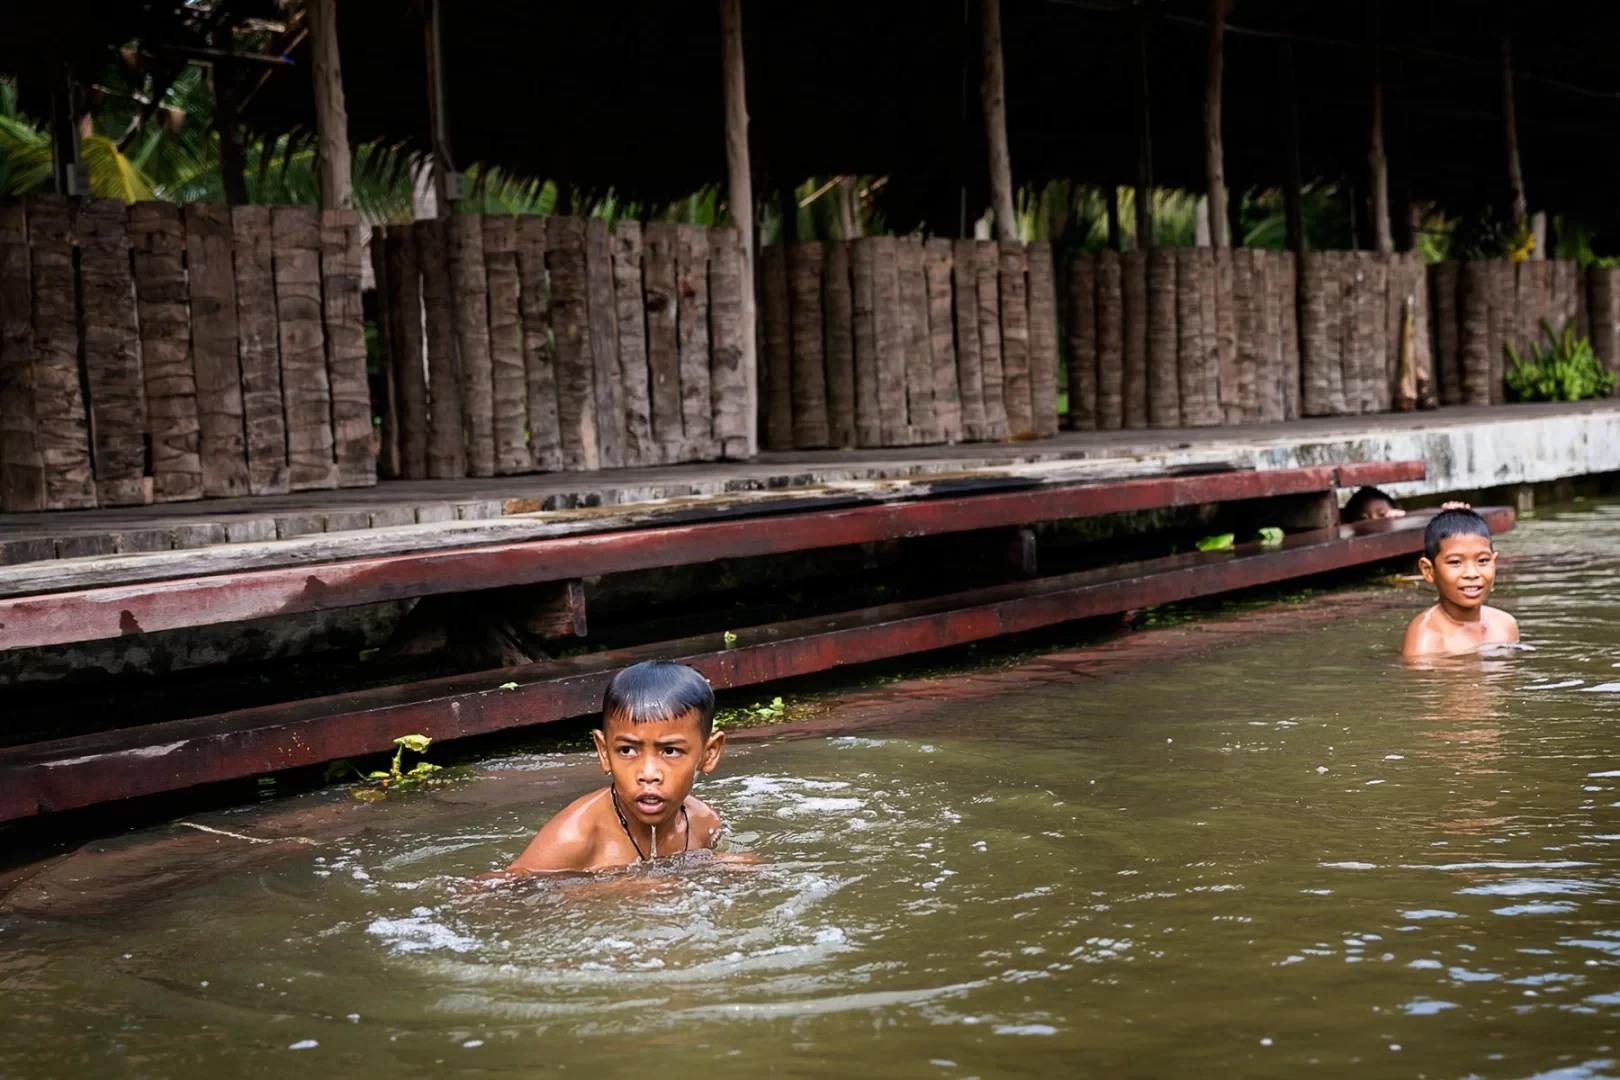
{"points": [[656, 736], [1460, 561]]}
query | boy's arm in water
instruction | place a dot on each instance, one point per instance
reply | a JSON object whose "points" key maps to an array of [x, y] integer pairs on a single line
{"points": [[566, 842]]}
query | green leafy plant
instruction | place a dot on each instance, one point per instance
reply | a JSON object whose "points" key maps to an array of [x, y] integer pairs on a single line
{"points": [[379, 782], [1220, 542], [1565, 370], [731, 639], [1270, 536]]}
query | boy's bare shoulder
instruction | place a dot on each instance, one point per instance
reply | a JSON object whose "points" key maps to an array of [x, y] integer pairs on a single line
{"points": [[1421, 637], [1501, 625], [705, 823], [569, 841]]}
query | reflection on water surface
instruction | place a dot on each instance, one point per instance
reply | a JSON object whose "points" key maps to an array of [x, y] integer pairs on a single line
{"points": [[1294, 855]]}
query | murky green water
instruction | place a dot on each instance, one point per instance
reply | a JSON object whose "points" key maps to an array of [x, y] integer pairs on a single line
{"points": [[1296, 858]]}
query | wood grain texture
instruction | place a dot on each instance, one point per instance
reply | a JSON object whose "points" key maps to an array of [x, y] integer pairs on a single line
{"points": [[264, 416], [1505, 317], [1372, 321], [1043, 339], [570, 323], [891, 340], [539, 363], [215, 345], [469, 290], [630, 309], [1110, 342], [1016, 390], [922, 425], [388, 465], [1247, 289], [810, 429], [937, 260], [1268, 376], [777, 311], [1288, 302], [987, 267], [306, 391], [969, 369], [1209, 316], [1134, 267], [1603, 304], [1081, 355], [22, 465], [408, 352], [509, 380], [1226, 340], [158, 239], [1443, 278], [112, 359], [692, 292], [1322, 382], [838, 306], [604, 333], [345, 326], [1190, 349], [447, 448], [61, 428], [733, 402], [1473, 331], [868, 408], [663, 343], [1163, 389]]}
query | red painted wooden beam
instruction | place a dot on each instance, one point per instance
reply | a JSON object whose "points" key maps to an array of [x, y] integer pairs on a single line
{"points": [[1360, 473], [93, 614], [91, 769]]}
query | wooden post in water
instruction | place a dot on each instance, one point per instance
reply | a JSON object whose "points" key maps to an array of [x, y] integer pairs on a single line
{"points": [[740, 196], [331, 114], [1214, 155], [993, 92]]}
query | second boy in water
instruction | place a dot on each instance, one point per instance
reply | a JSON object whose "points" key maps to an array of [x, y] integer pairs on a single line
{"points": [[1460, 561]]}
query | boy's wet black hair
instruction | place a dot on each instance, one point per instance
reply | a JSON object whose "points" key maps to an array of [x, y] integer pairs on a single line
{"points": [[1356, 509], [659, 690], [1449, 523]]}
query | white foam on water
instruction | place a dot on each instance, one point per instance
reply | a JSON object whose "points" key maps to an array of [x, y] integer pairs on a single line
{"points": [[420, 934], [1603, 688], [1565, 685]]}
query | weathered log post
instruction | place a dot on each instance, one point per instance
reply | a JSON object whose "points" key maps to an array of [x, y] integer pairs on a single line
{"points": [[993, 94], [1110, 342], [740, 199], [331, 114], [1214, 156], [1163, 380]]}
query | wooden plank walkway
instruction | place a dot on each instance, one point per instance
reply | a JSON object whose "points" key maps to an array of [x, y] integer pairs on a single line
{"points": [[97, 534], [82, 771]]}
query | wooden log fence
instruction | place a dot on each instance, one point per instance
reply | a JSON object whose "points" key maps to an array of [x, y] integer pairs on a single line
{"points": [[896, 341], [156, 353], [1480, 309], [534, 344]]}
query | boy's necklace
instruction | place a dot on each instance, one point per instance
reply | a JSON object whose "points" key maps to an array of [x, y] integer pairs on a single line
{"points": [[641, 856]]}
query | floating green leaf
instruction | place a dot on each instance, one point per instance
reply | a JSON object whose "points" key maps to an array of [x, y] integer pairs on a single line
{"points": [[1270, 536], [508, 686], [415, 743], [731, 639], [1222, 542]]}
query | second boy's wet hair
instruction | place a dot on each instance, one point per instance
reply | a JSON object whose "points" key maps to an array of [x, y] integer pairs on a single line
{"points": [[659, 690], [1356, 508], [1449, 523]]}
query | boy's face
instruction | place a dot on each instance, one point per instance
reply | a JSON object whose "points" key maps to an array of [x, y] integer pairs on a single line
{"points": [[1378, 509], [1463, 570], [653, 764]]}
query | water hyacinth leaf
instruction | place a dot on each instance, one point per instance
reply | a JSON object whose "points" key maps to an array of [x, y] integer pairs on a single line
{"points": [[416, 743], [1221, 542], [1270, 536], [378, 774]]}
